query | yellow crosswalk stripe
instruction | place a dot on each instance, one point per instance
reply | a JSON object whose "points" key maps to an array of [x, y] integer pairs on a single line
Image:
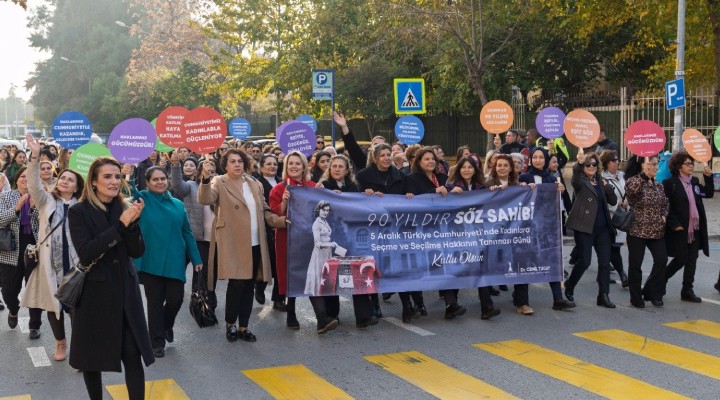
{"points": [[22, 397], [687, 359], [590, 377], [436, 378], [295, 382], [700, 326], [166, 389]]}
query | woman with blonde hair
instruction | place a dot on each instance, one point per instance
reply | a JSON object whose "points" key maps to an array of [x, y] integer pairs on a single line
{"points": [[108, 323]]}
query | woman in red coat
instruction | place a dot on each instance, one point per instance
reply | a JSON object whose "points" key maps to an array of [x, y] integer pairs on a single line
{"points": [[295, 173]]}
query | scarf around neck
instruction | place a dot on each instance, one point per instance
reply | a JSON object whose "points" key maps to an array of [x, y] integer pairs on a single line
{"points": [[694, 223]]}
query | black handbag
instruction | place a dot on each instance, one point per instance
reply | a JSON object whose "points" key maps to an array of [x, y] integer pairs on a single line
{"points": [[30, 256], [200, 310], [622, 219], [7, 239], [71, 287]]}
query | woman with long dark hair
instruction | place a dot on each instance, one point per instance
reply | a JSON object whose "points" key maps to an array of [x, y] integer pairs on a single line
{"points": [[467, 176], [616, 178], [56, 254], [320, 164], [18, 161], [590, 219], [686, 232], [108, 324]]}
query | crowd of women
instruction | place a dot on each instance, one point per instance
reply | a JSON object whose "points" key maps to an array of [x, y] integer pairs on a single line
{"points": [[225, 215]]}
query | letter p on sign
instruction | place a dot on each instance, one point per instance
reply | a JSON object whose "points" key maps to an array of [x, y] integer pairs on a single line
{"points": [[675, 94]]}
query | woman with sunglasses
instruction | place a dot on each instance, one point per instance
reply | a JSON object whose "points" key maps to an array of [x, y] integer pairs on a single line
{"points": [[590, 220], [649, 204], [686, 233]]}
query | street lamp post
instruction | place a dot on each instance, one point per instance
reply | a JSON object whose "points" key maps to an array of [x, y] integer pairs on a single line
{"points": [[78, 63]]}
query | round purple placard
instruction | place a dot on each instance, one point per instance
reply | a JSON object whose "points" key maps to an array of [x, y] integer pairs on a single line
{"points": [[296, 135], [132, 140], [549, 122]]}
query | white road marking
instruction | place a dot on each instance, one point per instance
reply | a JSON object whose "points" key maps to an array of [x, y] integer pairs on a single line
{"points": [[411, 328], [24, 324], [710, 301], [39, 357]]}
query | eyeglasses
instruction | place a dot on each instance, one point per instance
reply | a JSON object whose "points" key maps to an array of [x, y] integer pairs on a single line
{"points": [[320, 142], [689, 163], [590, 164]]}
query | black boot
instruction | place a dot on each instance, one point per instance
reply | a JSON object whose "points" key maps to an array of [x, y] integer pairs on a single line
{"points": [[603, 300], [624, 279], [324, 323], [292, 321], [408, 312]]}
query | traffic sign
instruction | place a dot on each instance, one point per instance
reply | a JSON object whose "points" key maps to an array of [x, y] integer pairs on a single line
{"points": [[409, 96], [675, 94], [323, 84]]}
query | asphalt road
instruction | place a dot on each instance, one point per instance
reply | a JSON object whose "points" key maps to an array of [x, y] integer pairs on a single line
{"points": [[541, 357]]}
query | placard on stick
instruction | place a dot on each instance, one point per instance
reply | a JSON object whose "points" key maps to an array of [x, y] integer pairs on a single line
{"points": [[169, 126], [204, 130], [71, 129], [496, 116], [645, 138], [549, 122], [132, 140], [697, 145], [581, 128], [83, 157], [296, 136]]}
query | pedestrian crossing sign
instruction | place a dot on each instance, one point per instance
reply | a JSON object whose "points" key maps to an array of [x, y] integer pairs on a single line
{"points": [[409, 96]]}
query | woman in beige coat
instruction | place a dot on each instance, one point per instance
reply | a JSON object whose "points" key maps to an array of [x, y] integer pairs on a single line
{"points": [[56, 254], [238, 238]]}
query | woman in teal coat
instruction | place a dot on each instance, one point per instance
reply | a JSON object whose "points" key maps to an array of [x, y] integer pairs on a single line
{"points": [[168, 239]]}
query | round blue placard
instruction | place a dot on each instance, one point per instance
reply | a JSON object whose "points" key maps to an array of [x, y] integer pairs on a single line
{"points": [[71, 129], [308, 120], [240, 128], [409, 129]]}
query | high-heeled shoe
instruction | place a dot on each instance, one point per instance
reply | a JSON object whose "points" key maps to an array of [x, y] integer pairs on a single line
{"points": [[570, 293], [603, 300]]}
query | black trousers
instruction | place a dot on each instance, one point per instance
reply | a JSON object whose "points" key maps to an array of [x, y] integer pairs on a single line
{"points": [[132, 365], [486, 302], [239, 295], [685, 256], [363, 307], [585, 243], [450, 296], [655, 285], [204, 249], [12, 279], [164, 299], [57, 325]]}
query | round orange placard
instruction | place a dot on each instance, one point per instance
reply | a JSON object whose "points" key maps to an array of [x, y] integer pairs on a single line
{"points": [[496, 116], [581, 128], [697, 145]]}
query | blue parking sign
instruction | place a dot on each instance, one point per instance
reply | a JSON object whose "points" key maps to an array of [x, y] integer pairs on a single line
{"points": [[409, 96], [675, 94], [323, 86]]}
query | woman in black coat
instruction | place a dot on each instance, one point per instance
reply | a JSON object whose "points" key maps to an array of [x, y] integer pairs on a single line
{"points": [[378, 178], [108, 323], [686, 231], [590, 219]]}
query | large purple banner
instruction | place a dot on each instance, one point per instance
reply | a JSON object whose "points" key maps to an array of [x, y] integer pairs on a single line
{"points": [[351, 243]]}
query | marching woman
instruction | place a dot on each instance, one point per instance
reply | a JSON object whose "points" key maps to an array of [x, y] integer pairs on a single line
{"points": [[108, 324], [239, 233], [538, 174], [502, 175], [19, 215], [378, 178], [616, 178], [686, 232], [295, 173], [424, 179], [269, 178], [321, 162], [590, 219], [200, 216], [18, 161], [168, 240], [55, 253], [340, 178], [467, 177], [649, 205]]}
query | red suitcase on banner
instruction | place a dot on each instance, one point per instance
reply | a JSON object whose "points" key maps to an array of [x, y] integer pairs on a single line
{"points": [[350, 275]]}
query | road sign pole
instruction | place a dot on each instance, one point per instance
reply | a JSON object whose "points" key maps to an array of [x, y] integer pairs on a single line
{"points": [[679, 73], [332, 116]]}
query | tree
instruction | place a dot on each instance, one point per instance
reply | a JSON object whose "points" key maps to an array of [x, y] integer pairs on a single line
{"points": [[21, 3]]}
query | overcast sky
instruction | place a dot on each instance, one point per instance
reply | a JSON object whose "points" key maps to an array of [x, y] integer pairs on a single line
{"points": [[17, 58]]}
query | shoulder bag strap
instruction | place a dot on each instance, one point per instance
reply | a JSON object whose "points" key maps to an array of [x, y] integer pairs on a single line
{"points": [[53, 230]]}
